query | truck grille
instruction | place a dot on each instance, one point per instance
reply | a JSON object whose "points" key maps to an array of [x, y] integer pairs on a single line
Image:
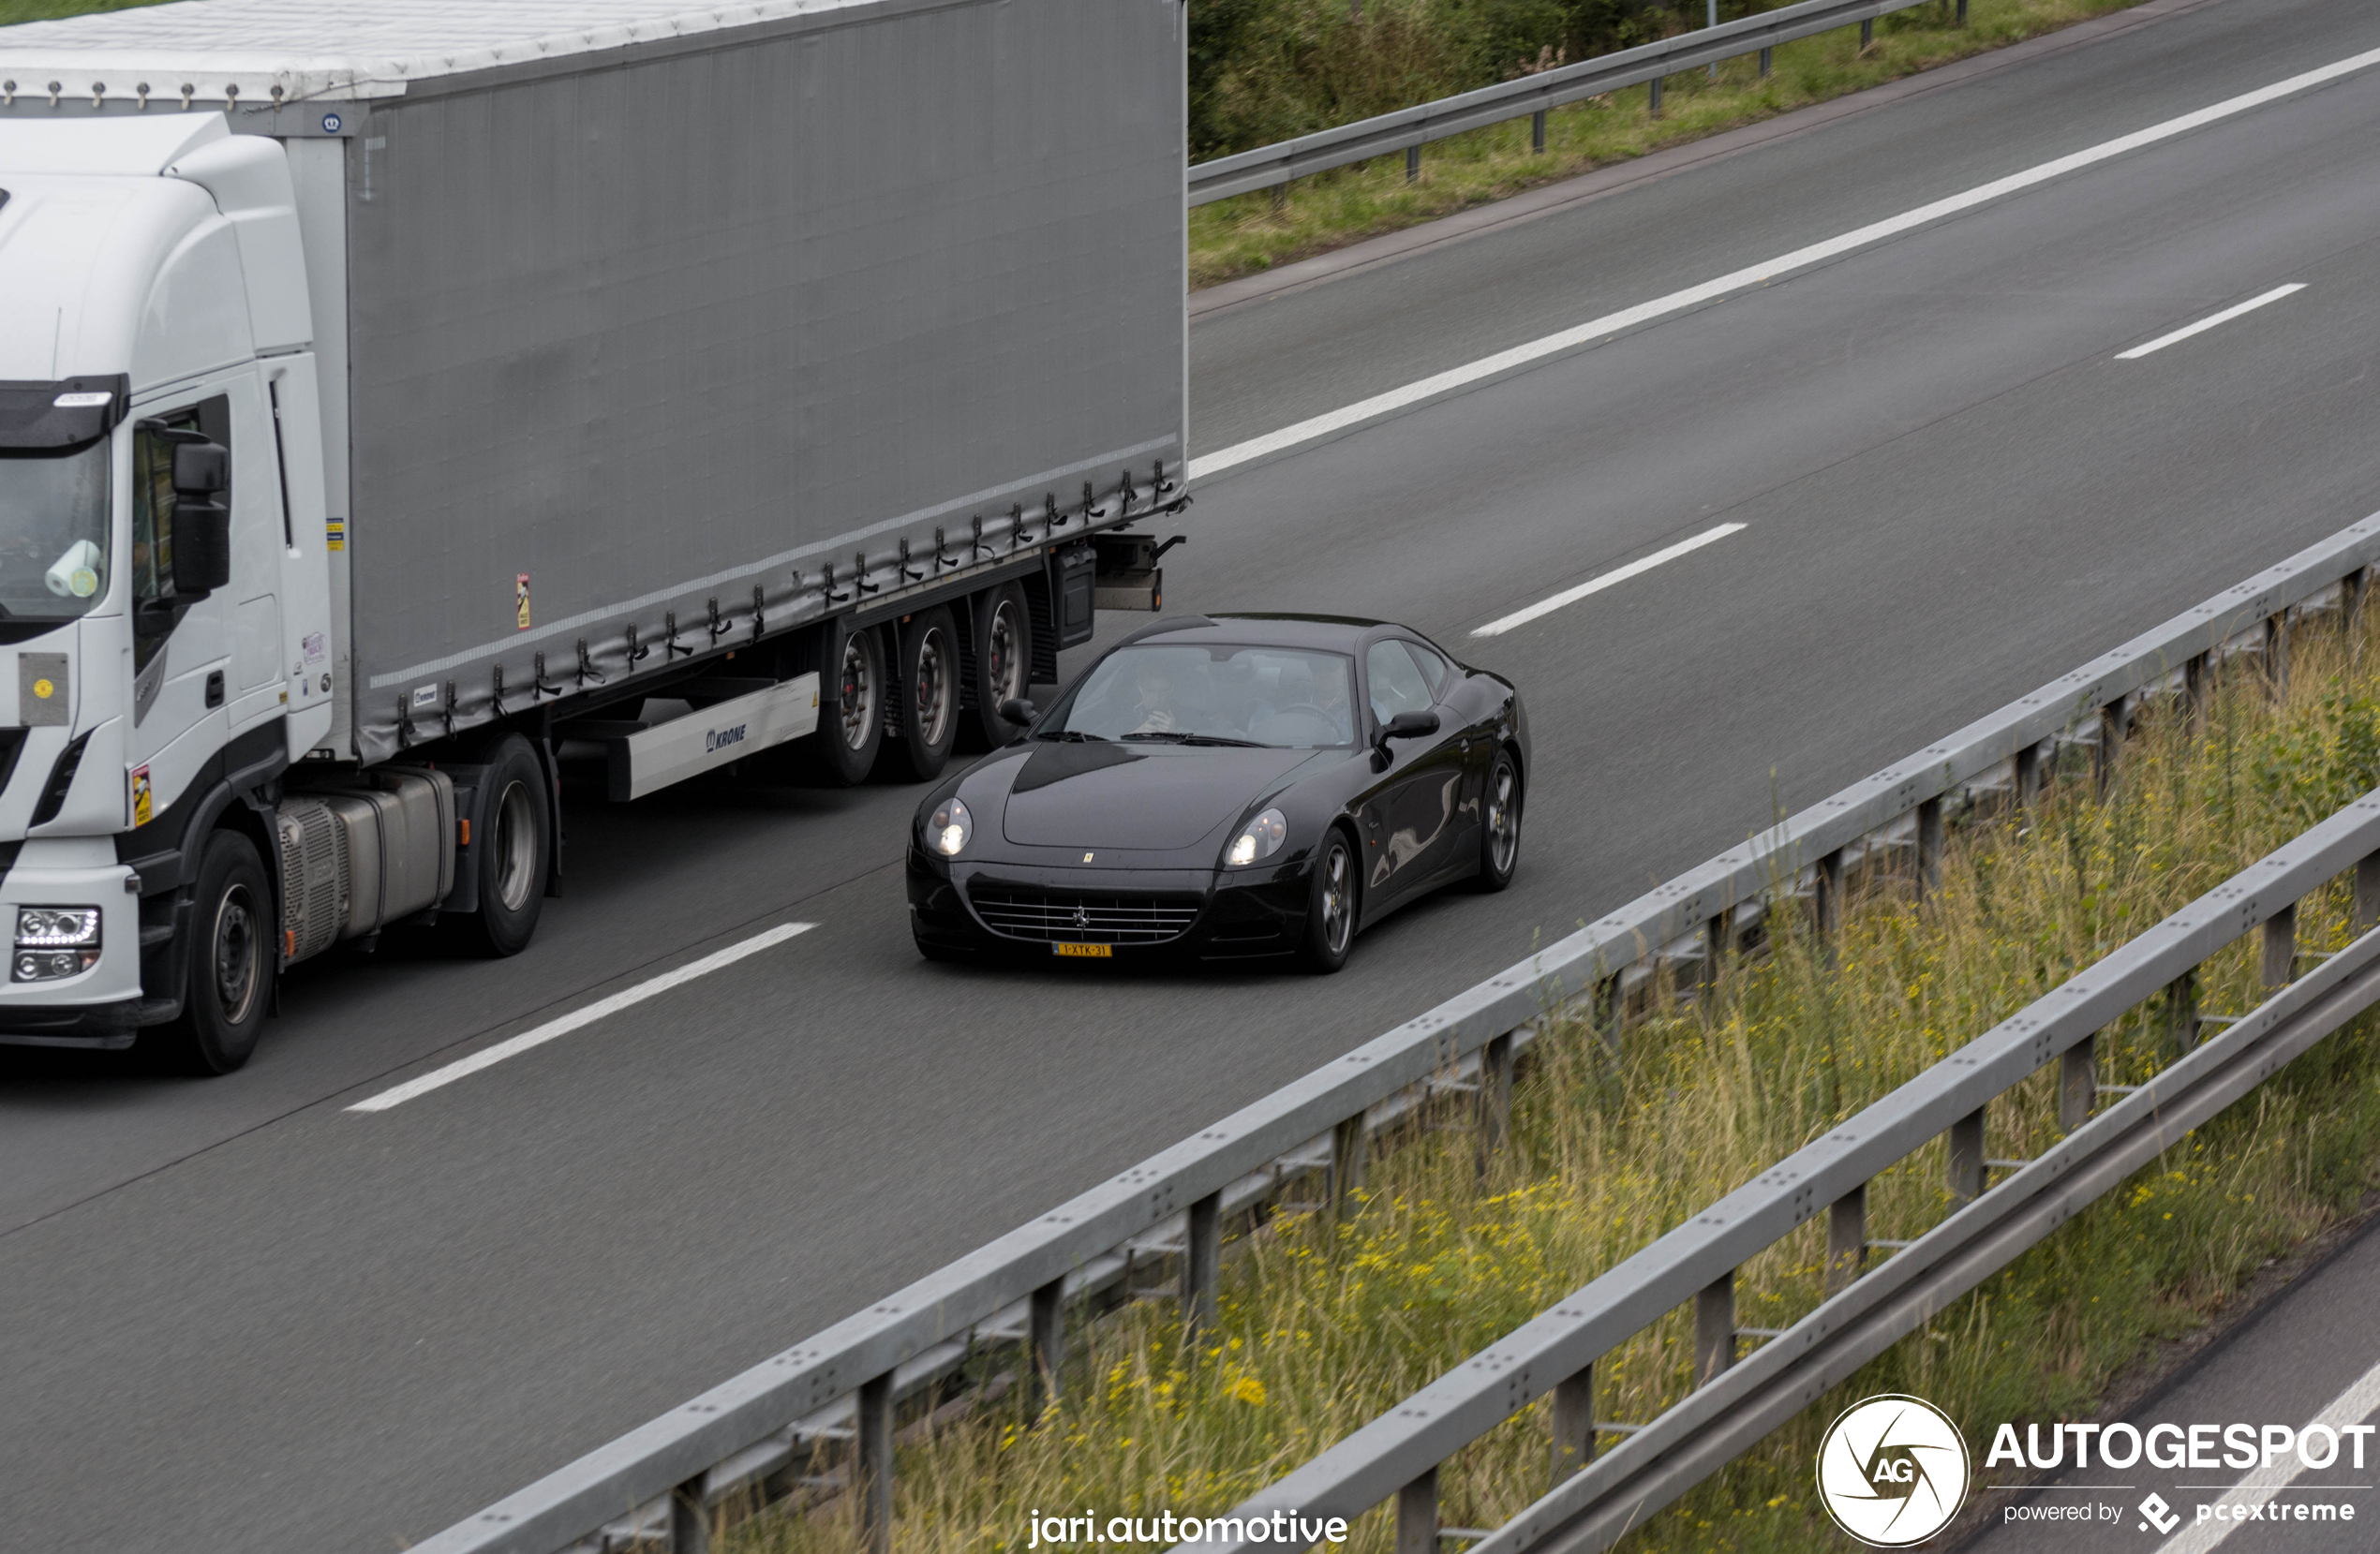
{"points": [[1080, 917]]}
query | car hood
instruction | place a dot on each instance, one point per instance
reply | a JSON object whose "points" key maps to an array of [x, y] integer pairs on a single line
{"points": [[1154, 797]]}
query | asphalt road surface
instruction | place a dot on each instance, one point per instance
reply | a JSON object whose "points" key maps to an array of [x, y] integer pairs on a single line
{"points": [[242, 1316]]}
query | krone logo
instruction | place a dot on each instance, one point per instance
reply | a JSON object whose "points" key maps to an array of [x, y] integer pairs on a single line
{"points": [[1893, 1470]]}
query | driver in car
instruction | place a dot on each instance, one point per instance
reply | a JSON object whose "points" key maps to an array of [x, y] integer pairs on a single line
{"points": [[1156, 705]]}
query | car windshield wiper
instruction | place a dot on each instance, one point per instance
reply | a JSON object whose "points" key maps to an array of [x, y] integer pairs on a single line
{"points": [[1072, 737], [1167, 736]]}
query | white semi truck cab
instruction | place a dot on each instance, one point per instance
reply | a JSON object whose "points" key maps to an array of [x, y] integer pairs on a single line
{"points": [[399, 402], [164, 585]]}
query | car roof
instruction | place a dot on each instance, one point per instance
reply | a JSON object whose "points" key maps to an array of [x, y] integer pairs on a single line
{"points": [[1342, 632]]}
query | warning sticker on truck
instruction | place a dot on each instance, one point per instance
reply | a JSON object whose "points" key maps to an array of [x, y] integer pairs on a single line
{"points": [[520, 600]]}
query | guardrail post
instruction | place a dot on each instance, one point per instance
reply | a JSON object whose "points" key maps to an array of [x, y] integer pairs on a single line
{"points": [[1417, 1515], [1202, 1253], [1768, 62], [1495, 1096], [1967, 1158], [689, 1519], [872, 1445], [1046, 1352], [2182, 1014], [1962, 12], [2368, 891], [2277, 651], [1573, 1423], [2197, 679], [1929, 847], [2281, 946], [1655, 97], [2077, 1083], [1718, 937], [1846, 1239], [2113, 719], [2029, 776], [1348, 1142], [1413, 163], [1866, 33], [1714, 1328], [1829, 883], [1537, 132]]}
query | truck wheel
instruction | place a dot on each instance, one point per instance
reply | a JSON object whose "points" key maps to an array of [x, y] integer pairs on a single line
{"points": [[1002, 664], [851, 709], [928, 696], [511, 856], [231, 961]]}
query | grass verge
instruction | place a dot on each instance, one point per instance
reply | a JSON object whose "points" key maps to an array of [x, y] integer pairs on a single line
{"points": [[1323, 1325], [1250, 232]]}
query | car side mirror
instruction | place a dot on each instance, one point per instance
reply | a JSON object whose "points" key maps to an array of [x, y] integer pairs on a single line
{"points": [[1409, 725], [1017, 710]]}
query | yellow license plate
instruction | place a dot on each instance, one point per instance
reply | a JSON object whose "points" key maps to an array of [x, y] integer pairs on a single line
{"points": [[1097, 951]]}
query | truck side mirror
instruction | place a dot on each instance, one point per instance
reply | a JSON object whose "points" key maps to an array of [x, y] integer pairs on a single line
{"points": [[202, 524], [202, 546], [201, 470]]}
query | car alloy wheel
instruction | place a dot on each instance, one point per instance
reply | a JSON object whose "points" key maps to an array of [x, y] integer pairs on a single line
{"points": [[1504, 821]]}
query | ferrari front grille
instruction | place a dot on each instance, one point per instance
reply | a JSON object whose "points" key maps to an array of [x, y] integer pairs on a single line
{"points": [[1080, 917]]}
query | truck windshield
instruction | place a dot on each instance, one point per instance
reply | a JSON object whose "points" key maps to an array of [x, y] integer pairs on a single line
{"points": [[1212, 695], [53, 532]]}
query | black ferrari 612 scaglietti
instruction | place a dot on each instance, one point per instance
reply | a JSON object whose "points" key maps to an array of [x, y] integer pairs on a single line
{"points": [[1226, 787]]}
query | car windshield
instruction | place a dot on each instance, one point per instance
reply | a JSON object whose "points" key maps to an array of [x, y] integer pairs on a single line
{"points": [[1214, 695], [53, 532]]}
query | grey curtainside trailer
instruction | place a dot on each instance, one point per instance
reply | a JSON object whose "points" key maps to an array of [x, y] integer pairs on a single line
{"points": [[410, 394]]}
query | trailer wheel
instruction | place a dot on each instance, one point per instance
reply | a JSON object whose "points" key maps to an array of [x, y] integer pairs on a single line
{"points": [[1002, 666], [850, 708], [928, 696], [230, 981], [512, 856]]}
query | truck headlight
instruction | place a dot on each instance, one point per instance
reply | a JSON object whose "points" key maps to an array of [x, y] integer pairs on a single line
{"points": [[1260, 837], [948, 830], [55, 941]]}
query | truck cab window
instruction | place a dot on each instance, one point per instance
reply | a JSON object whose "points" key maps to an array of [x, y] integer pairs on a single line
{"points": [[53, 532]]}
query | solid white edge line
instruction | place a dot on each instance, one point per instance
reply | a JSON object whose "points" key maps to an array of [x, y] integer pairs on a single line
{"points": [[2186, 330], [2351, 1407], [513, 1046], [1597, 584], [1800, 258]]}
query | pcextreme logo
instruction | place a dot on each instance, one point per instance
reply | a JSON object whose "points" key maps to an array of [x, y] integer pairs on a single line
{"points": [[1893, 1470]]}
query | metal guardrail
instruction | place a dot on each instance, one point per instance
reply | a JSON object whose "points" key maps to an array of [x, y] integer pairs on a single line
{"points": [[1737, 1403], [1410, 129], [691, 1457]]}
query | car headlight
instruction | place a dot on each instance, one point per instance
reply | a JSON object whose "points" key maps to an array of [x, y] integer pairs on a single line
{"points": [[948, 830], [1260, 837], [54, 941]]}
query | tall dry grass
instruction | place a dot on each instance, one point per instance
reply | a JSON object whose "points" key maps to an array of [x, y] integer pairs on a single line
{"points": [[1323, 1325]]}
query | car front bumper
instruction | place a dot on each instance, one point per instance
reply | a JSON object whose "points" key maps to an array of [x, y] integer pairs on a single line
{"points": [[991, 907]]}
